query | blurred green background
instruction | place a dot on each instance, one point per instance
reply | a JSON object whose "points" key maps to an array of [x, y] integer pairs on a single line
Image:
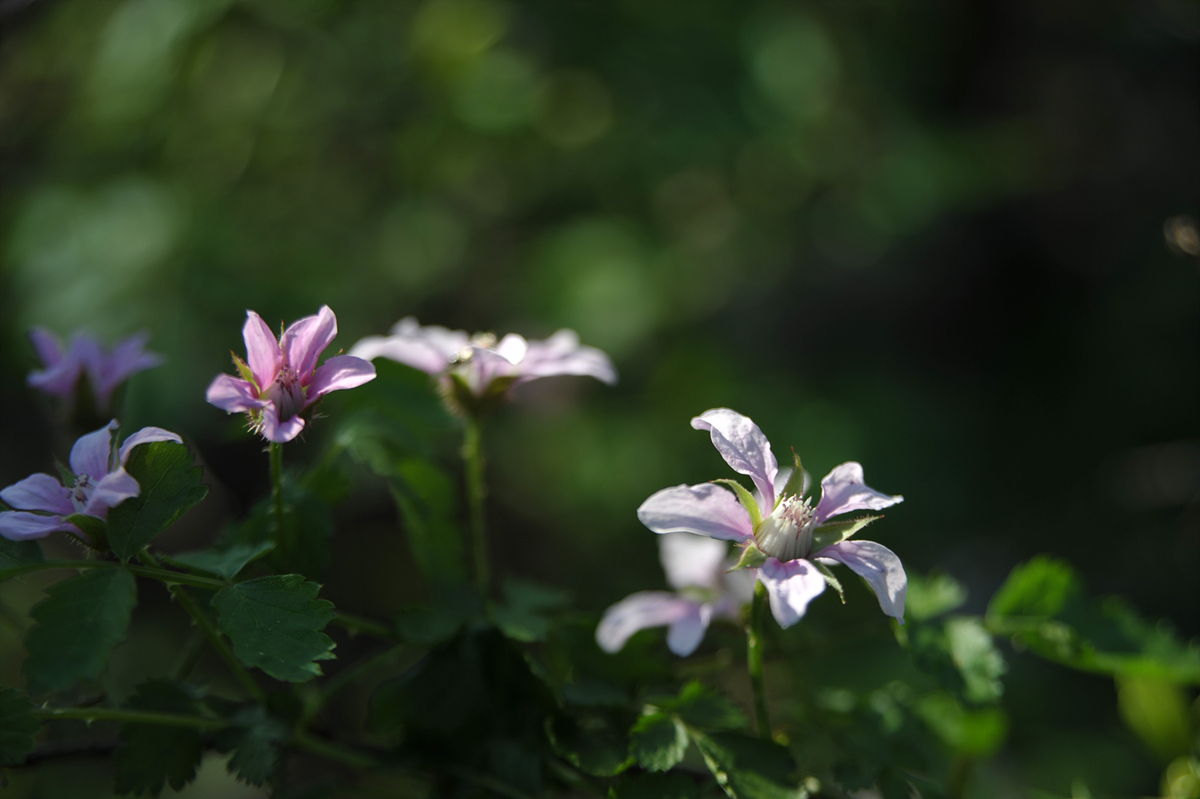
{"points": [[925, 236]]}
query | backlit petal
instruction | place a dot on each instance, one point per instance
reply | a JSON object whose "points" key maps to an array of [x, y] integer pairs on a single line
{"points": [[146, 435], [685, 634], [233, 395], [415, 352], [39, 492], [279, 432], [337, 373], [843, 490], [790, 587], [47, 345], [91, 453], [637, 612], [744, 448], [262, 351], [879, 566], [562, 354], [305, 340], [692, 560], [706, 509]]}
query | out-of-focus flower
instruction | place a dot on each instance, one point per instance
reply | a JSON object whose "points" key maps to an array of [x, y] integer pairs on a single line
{"points": [[43, 503], [106, 369], [695, 568], [281, 379], [792, 541], [477, 370]]}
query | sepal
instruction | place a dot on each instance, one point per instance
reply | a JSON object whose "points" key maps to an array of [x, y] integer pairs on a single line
{"points": [[95, 529], [836, 532], [751, 558], [245, 371], [795, 484], [746, 498], [832, 581]]}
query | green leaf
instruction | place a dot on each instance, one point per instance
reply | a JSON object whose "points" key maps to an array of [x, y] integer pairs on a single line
{"points": [[977, 659], [170, 485], [426, 499], [976, 733], [1041, 587], [523, 616], [1158, 712], [224, 563], [275, 623], [256, 740], [831, 580], [746, 498], [590, 743], [795, 483], [78, 624], [832, 533], [701, 706], [17, 727], [751, 558], [95, 529], [153, 754], [932, 596], [19, 553], [749, 768], [658, 741]]}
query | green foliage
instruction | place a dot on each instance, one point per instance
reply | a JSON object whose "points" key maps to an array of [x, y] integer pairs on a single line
{"points": [[14, 554], [592, 742], [170, 485], [17, 727], [749, 768], [832, 533], [931, 596], [226, 563], [78, 624], [255, 738], [301, 546], [658, 741], [525, 615], [1158, 712], [275, 623], [1041, 587], [959, 654], [425, 496], [701, 706], [975, 733], [675, 785], [154, 755]]}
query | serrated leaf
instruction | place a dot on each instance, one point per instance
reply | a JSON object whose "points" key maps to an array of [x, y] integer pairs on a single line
{"points": [[275, 624], [746, 498], [701, 706], [153, 754], [256, 741], [78, 624], [658, 741], [751, 558], [749, 768], [590, 743], [223, 562], [95, 529], [831, 580], [17, 727], [19, 553], [170, 485], [1040, 587], [832, 533]]}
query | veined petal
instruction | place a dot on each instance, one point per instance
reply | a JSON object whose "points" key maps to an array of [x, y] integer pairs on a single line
{"points": [[279, 432], [879, 566], [337, 373], [18, 525], [39, 492], [843, 490], [562, 354], [446, 341], [305, 340], [705, 509], [92, 452], [686, 633], [147, 435], [637, 612], [47, 345], [744, 448], [692, 560], [415, 352], [262, 350], [111, 491], [790, 587], [233, 395]]}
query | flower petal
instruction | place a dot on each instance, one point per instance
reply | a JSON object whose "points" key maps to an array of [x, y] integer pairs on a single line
{"points": [[147, 435], [305, 340], [39, 492], [337, 373], [706, 509], [879, 566], [486, 365], [128, 356], [233, 395], [62, 365], [790, 587], [262, 351], [685, 634], [512, 348], [47, 345], [112, 491], [21, 526], [418, 353], [744, 448], [562, 354], [692, 560], [637, 612], [91, 453], [279, 432], [843, 490]]}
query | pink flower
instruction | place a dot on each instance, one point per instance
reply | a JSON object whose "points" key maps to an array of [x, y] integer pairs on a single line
{"points": [[281, 379], [695, 568], [792, 534], [42, 503], [106, 369], [480, 364]]}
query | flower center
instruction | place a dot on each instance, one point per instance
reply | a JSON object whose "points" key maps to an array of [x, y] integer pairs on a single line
{"points": [[82, 492], [287, 393], [788, 532]]}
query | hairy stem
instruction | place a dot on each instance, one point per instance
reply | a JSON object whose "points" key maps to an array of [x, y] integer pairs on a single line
{"points": [[754, 659], [472, 453], [277, 492], [154, 573], [90, 714]]}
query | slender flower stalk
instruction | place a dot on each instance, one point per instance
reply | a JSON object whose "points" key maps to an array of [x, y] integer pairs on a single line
{"points": [[754, 659], [476, 493], [277, 492]]}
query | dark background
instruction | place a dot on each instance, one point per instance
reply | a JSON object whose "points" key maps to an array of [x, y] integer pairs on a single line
{"points": [[925, 236]]}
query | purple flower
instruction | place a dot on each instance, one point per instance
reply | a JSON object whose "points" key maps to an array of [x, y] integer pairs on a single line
{"points": [[481, 365], [42, 502], [280, 379], [106, 369], [797, 539], [695, 568]]}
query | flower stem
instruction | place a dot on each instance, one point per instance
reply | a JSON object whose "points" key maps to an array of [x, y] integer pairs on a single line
{"points": [[754, 659], [189, 603], [90, 714], [472, 453], [277, 491]]}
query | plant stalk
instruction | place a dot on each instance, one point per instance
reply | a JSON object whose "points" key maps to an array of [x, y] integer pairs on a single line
{"points": [[754, 659], [277, 491], [332, 751], [90, 714], [472, 453]]}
